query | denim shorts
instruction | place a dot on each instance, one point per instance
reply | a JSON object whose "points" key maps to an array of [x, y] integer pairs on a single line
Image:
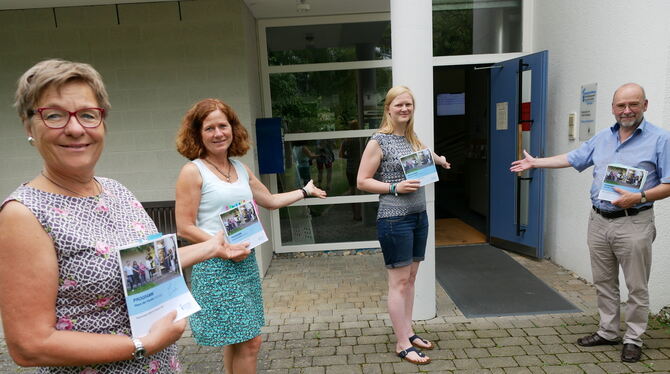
{"points": [[403, 238]]}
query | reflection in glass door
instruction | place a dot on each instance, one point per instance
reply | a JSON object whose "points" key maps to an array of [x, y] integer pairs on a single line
{"points": [[327, 83]]}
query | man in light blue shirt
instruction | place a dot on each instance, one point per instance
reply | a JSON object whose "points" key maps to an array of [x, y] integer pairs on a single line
{"points": [[620, 232]]}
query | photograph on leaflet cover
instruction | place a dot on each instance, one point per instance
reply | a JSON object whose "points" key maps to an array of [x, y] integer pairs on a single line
{"points": [[623, 177], [153, 283], [241, 224], [419, 165]]}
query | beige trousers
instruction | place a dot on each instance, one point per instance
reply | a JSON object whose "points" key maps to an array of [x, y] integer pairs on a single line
{"points": [[625, 242]]}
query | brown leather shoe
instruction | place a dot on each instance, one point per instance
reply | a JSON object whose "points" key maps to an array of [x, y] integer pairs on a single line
{"points": [[595, 339], [631, 353]]}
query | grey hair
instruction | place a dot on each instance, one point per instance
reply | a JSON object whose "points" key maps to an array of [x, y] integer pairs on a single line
{"points": [[56, 73]]}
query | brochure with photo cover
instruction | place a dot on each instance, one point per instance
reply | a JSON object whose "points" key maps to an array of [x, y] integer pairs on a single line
{"points": [[420, 165], [623, 177], [241, 224], [153, 282]]}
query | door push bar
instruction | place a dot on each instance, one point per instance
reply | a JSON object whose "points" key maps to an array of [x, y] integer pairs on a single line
{"points": [[519, 144]]}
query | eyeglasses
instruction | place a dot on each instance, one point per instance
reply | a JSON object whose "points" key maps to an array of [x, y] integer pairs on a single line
{"points": [[56, 118], [632, 106]]}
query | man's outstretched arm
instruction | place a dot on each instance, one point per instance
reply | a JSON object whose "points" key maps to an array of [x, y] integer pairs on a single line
{"points": [[530, 162]]}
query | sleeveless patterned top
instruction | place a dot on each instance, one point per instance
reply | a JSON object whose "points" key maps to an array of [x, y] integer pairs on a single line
{"points": [[90, 294], [390, 171]]}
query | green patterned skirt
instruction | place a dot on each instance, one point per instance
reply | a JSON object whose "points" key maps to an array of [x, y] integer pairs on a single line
{"points": [[231, 299]]}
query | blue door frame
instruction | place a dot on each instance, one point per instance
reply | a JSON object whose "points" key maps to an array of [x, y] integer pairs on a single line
{"points": [[518, 111]]}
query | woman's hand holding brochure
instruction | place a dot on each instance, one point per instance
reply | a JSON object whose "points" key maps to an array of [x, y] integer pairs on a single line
{"points": [[409, 185], [227, 251], [238, 252], [163, 332]]}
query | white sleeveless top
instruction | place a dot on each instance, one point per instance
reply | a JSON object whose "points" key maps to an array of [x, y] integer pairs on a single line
{"points": [[217, 195]]}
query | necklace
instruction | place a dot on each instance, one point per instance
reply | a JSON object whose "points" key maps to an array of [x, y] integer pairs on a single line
{"points": [[67, 189], [227, 176]]}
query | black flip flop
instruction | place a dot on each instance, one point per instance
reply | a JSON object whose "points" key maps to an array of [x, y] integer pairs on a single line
{"points": [[429, 345], [403, 354]]}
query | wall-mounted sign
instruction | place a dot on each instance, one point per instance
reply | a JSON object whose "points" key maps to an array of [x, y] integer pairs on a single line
{"points": [[587, 111]]}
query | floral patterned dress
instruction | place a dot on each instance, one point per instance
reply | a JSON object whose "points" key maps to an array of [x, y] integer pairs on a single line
{"points": [[90, 293]]}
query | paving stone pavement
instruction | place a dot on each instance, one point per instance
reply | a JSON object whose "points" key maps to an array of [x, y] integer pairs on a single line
{"points": [[327, 315]]}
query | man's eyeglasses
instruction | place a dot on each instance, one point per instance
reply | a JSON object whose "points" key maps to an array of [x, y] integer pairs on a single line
{"points": [[56, 118], [632, 106]]}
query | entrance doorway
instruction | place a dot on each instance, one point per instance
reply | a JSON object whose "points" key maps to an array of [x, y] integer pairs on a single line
{"points": [[461, 133]]}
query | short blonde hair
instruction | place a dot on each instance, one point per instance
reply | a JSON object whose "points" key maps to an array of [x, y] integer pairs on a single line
{"points": [[56, 73]]}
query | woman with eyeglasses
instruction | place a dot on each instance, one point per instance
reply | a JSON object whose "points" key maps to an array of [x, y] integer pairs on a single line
{"points": [[61, 293]]}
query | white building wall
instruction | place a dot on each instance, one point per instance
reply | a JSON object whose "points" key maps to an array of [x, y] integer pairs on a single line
{"points": [[610, 43], [255, 107], [155, 66]]}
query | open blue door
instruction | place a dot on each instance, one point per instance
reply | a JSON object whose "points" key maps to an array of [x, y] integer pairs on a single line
{"points": [[518, 106]]}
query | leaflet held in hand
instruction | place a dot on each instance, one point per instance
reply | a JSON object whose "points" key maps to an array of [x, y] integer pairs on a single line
{"points": [[153, 283], [420, 165], [624, 177], [241, 224]]}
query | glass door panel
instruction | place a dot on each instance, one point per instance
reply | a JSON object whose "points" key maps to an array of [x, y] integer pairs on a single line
{"points": [[330, 100]]}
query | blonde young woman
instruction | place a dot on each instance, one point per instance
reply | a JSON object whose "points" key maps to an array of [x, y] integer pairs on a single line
{"points": [[402, 223], [229, 291]]}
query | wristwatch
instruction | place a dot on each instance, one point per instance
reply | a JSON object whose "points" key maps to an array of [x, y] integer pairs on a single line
{"points": [[139, 349], [643, 199]]}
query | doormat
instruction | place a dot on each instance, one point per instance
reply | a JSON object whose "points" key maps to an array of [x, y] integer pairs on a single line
{"points": [[484, 281]]}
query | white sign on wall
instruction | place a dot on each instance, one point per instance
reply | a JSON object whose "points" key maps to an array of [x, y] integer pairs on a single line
{"points": [[587, 111]]}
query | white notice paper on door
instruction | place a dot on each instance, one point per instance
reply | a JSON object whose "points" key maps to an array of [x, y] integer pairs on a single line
{"points": [[501, 116]]}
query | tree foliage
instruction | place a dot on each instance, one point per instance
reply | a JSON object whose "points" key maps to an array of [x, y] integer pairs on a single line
{"points": [[452, 32]]}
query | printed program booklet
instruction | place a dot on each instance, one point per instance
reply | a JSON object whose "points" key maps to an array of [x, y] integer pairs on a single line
{"points": [[624, 177], [153, 282], [241, 224], [419, 165]]}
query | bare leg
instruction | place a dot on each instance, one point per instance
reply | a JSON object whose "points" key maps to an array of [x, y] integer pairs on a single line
{"points": [[241, 358], [399, 284], [409, 293], [228, 353], [409, 305]]}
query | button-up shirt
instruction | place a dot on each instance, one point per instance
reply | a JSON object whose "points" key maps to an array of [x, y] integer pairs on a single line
{"points": [[647, 148]]}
